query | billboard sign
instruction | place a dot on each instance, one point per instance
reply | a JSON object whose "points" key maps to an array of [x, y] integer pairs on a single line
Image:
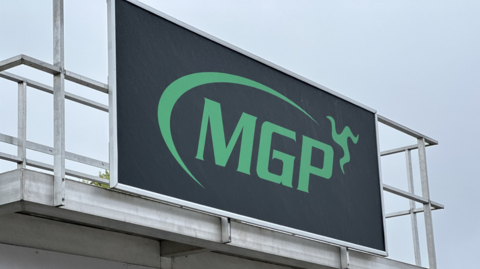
{"points": [[208, 124]]}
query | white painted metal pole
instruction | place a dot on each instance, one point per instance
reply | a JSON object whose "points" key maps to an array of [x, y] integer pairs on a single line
{"points": [[413, 215], [112, 94], [58, 105], [427, 209], [22, 123]]}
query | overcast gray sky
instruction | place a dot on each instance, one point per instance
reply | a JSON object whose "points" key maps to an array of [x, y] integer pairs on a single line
{"points": [[415, 62]]}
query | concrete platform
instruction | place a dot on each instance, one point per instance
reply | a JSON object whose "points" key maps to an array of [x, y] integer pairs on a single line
{"points": [[107, 225]]}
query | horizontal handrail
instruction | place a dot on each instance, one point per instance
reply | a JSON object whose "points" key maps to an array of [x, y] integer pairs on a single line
{"points": [[48, 89], [48, 167], [406, 130], [32, 62], [49, 150], [87, 82], [11, 158], [68, 172], [401, 149], [405, 194], [51, 69], [408, 212], [437, 205]]}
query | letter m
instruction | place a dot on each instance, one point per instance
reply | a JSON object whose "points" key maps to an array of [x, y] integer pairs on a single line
{"points": [[212, 114]]}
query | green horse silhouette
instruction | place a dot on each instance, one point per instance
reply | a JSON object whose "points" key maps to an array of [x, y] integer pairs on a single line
{"points": [[342, 140]]}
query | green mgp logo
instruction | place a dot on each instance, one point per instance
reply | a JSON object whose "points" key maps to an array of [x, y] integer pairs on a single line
{"points": [[244, 134]]}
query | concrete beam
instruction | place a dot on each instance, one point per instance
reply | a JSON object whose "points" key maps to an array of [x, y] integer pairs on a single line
{"points": [[171, 249], [23, 257], [29, 231], [219, 261], [360, 260], [11, 208], [11, 187], [112, 210]]}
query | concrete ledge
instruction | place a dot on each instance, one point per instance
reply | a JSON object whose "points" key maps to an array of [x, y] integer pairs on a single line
{"points": [[219, 261], [14, 257], [11, 187], [99, 212], [284, 245], [364, 261], [29, 231], [171, 249]]}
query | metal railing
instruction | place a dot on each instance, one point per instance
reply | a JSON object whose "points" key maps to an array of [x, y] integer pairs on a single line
{"points": [[428, 205], [21, 140], [23, 144], [60, 155]]}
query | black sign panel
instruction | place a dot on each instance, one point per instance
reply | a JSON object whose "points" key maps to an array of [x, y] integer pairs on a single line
{"points": [[204, 123]]}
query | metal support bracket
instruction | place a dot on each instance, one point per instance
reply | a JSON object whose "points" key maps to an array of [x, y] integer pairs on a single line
{"points": [[344, 258], [226, 230]]}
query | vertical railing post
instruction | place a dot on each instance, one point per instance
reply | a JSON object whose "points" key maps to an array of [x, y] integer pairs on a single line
{"points": [[112, 94], [58, 104], [427, 209], [22, 124], [413, 215]]}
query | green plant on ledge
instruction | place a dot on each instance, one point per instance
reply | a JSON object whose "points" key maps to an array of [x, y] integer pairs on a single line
{"points": [[105, 175]]}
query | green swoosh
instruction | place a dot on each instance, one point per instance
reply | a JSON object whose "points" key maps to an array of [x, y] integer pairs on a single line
{"points": [[182, 85]]}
